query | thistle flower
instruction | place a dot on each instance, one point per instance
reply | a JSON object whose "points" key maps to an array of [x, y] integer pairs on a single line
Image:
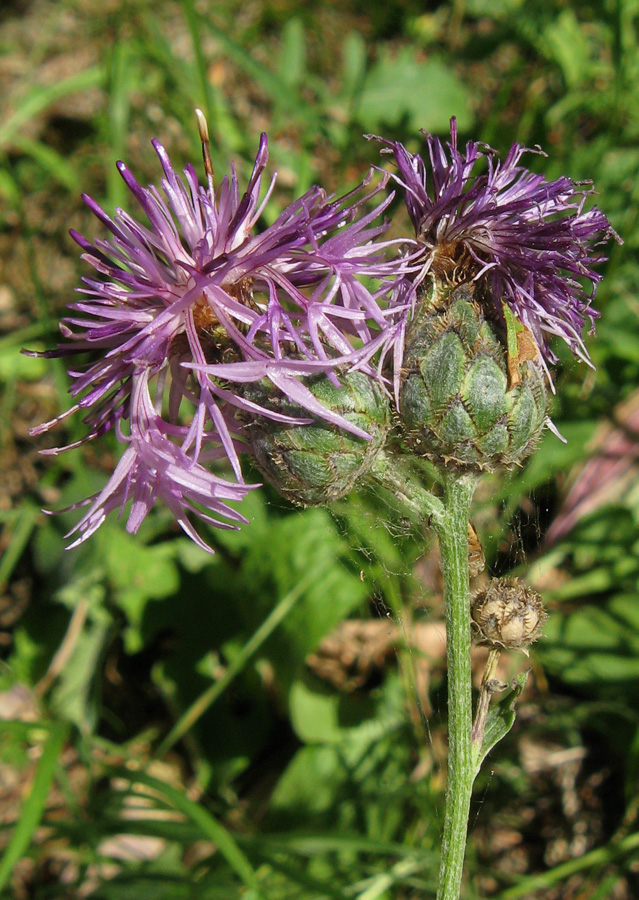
{"points": [[314, 464], [520, 238], [195, 304], [457, 405], [162, 462]]}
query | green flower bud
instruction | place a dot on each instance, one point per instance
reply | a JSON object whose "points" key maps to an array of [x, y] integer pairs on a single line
{"points": [[314, 464], [460, 405]]}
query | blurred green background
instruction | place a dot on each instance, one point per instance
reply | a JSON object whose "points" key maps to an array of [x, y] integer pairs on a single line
{"points": [[270, 722]]}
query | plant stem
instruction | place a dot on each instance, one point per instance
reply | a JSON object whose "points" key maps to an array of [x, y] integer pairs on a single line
{"points": [[489, 685], [389, 472], [452, 531]]}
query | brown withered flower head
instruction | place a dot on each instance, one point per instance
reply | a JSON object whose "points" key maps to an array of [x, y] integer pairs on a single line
{"points": [[507, 615]]}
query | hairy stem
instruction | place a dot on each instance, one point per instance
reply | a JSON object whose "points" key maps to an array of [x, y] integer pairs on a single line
{"points": [[489, 685], [389, 472], [452, 531]]}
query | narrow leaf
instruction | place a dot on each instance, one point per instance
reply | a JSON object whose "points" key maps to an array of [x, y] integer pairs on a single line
{"points": [[33, 807], [208, 825], [500, 719]]}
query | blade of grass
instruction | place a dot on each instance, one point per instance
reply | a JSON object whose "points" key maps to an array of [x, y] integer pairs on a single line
{"points": [[21, 335], [50, 161], [292, 63], [282, 93], [17, 542], [604, 889], [208, 825], [381, 883], [322, 844], [9, 187], [181, 98], [75, 830], [320, 888], [57, 365], [207, 98], [219, 117], [33, 807], [43, 96], [121, 75], [210, 695], [600, 856]]}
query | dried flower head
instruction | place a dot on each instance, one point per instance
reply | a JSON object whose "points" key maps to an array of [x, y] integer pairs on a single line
{"points": [[522, 239], [196, 302], [507, 614]]}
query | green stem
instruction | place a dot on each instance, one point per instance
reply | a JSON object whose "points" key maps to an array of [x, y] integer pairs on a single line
{"points": [[453, 540], [489, 684], [390, 474]]}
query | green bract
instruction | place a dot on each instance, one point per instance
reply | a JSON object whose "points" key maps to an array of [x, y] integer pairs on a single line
{"points": [[312, 465], [456, 405]]}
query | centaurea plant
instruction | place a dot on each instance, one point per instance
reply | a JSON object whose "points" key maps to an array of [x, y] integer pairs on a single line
{"points": [[333, 356], [195, 305]]}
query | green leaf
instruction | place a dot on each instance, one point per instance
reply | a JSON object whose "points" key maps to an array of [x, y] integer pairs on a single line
{"points": [[293, 53], [275, 86], [276, 555], [595, 646], [9, 191], [255, 508], [353, 63], [16, 539], [401, 88], [618, 330], [208, 825], [298, 545], [122, 83], [15, 365], [554, 456], [33, 807], [72, 696], [500, 719], [363, 770], [211, 694], [139, 574], [311, 781], [319, 715], [50, 162], [40, 97], [564, 41]]}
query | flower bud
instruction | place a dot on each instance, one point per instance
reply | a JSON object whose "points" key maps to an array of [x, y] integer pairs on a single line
{"points": [[459, 404], [507, 615], [314, 464]]}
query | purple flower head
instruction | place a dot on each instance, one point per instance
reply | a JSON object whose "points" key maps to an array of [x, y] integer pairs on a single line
{"points": [[195, 302], [161, 461], [525, 240]]}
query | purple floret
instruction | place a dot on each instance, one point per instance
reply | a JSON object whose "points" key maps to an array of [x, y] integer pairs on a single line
{"points": [[162, 462], [525, 240], [197, 302]]}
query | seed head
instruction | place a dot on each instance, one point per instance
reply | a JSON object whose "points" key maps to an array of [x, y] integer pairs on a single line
{"points": [[507, 615]]}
